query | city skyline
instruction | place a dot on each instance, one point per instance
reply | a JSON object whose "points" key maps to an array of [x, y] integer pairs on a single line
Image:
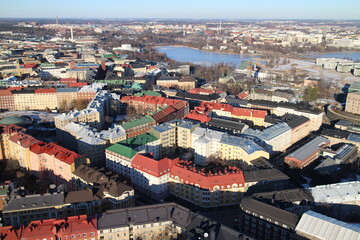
{"points": [[278, 9]]}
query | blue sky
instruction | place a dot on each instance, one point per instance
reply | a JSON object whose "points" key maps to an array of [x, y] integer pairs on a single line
{"points": [[225, 9]]}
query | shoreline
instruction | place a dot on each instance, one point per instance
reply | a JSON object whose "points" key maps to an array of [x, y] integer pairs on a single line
{"points": [[215, 51]]}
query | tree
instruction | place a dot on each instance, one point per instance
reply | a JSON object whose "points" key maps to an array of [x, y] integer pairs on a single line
{"points": [[311, 94]]}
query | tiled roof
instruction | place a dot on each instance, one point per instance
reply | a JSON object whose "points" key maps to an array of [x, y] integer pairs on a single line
{"points": [[151, 166]]}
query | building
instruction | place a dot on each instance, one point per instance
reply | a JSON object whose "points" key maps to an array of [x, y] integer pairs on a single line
{"points": [[146, 222], [205, 143], [138, 126], [205, 188], [7, 100], [307, 153], [50, 161], [264, 221], [237, 148], [89, 142], [313, 225], [278, 136], [353, 102]]}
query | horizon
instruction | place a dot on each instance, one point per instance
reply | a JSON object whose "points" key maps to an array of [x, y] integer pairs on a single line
{"points": [[186, 9]]}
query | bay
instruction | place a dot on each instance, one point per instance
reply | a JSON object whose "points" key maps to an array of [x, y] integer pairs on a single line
{"points": [[354, 56], [186, 54]]}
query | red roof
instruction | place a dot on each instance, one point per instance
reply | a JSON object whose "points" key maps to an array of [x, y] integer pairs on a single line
{"points": [[243, 95], [198, 117], [39, 230], [203, 91], [24, 139], [77, 84], [188, 174], [64, 228], [55, 150], [15, 88], [30, 65], [67, 80], [45, 90], [11, 128], [247, 112], [151, 166], [5, 92], [9, 233]]}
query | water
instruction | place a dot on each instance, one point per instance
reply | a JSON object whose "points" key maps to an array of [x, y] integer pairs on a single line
{"points": [[354, 56], [186, 54]]}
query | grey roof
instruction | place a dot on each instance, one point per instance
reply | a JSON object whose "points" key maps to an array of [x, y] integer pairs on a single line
{"points": [[248, 145], [227, 124], [271, 174], [146, 214], [309, 148], [270, 132], [317, 226], [163, 127], [354, 137], [269, 212], [290, 195], [36, 201], [216, 231], [66, 89]]}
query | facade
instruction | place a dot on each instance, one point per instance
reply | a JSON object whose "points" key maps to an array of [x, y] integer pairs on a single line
{"points": [[263, 221], [237, 148], [307, 153], [146, 222], [206, 189], [87, 141], [353, 103], [138, 126], [278, 136], [54, 162], [7, 100]]}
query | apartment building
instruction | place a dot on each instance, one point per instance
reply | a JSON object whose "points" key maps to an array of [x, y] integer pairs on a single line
{"points": [[206, 189], [353, 103], [307, 153], [237, 148], [49, 160], [278, 136]]}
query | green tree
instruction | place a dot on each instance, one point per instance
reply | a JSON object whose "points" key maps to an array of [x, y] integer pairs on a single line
{"points": [[311, 94]]}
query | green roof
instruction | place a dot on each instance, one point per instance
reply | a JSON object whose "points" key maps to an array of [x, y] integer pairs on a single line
{"points": [[14, 120], [127, 148], [4, 190], [122, 150], [244, 64], [137, 122], [139, 140], [354, 87], [136, 86], [148, 93]]}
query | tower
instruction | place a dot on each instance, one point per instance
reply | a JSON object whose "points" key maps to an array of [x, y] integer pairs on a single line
{"points": [[72, 34], [57, 20]]}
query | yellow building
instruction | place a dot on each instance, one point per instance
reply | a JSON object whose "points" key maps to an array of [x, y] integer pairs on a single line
{"points": [[236, 148]]}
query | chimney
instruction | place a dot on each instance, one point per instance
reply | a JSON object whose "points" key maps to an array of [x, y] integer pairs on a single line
{"points": [[103, 65]]}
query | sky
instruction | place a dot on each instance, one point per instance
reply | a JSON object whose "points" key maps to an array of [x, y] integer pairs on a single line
{"points": [[193, 9]]}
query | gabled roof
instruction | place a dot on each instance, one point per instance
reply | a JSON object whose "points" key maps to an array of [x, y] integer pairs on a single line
{"points": [[151, 166]]}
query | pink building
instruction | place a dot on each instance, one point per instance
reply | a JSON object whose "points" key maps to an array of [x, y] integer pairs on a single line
{"points": [[49, 160]]}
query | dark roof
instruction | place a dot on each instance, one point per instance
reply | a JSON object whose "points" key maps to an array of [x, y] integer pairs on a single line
{"points": [[201, 225], [116, 189], [301, 106], [167, 78], [336, 133], [271, 174], [212, 96], [80, 196], [268, 212], [290, 196], [90, 174], [294, 120], [227, 124], [179, 215]]}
